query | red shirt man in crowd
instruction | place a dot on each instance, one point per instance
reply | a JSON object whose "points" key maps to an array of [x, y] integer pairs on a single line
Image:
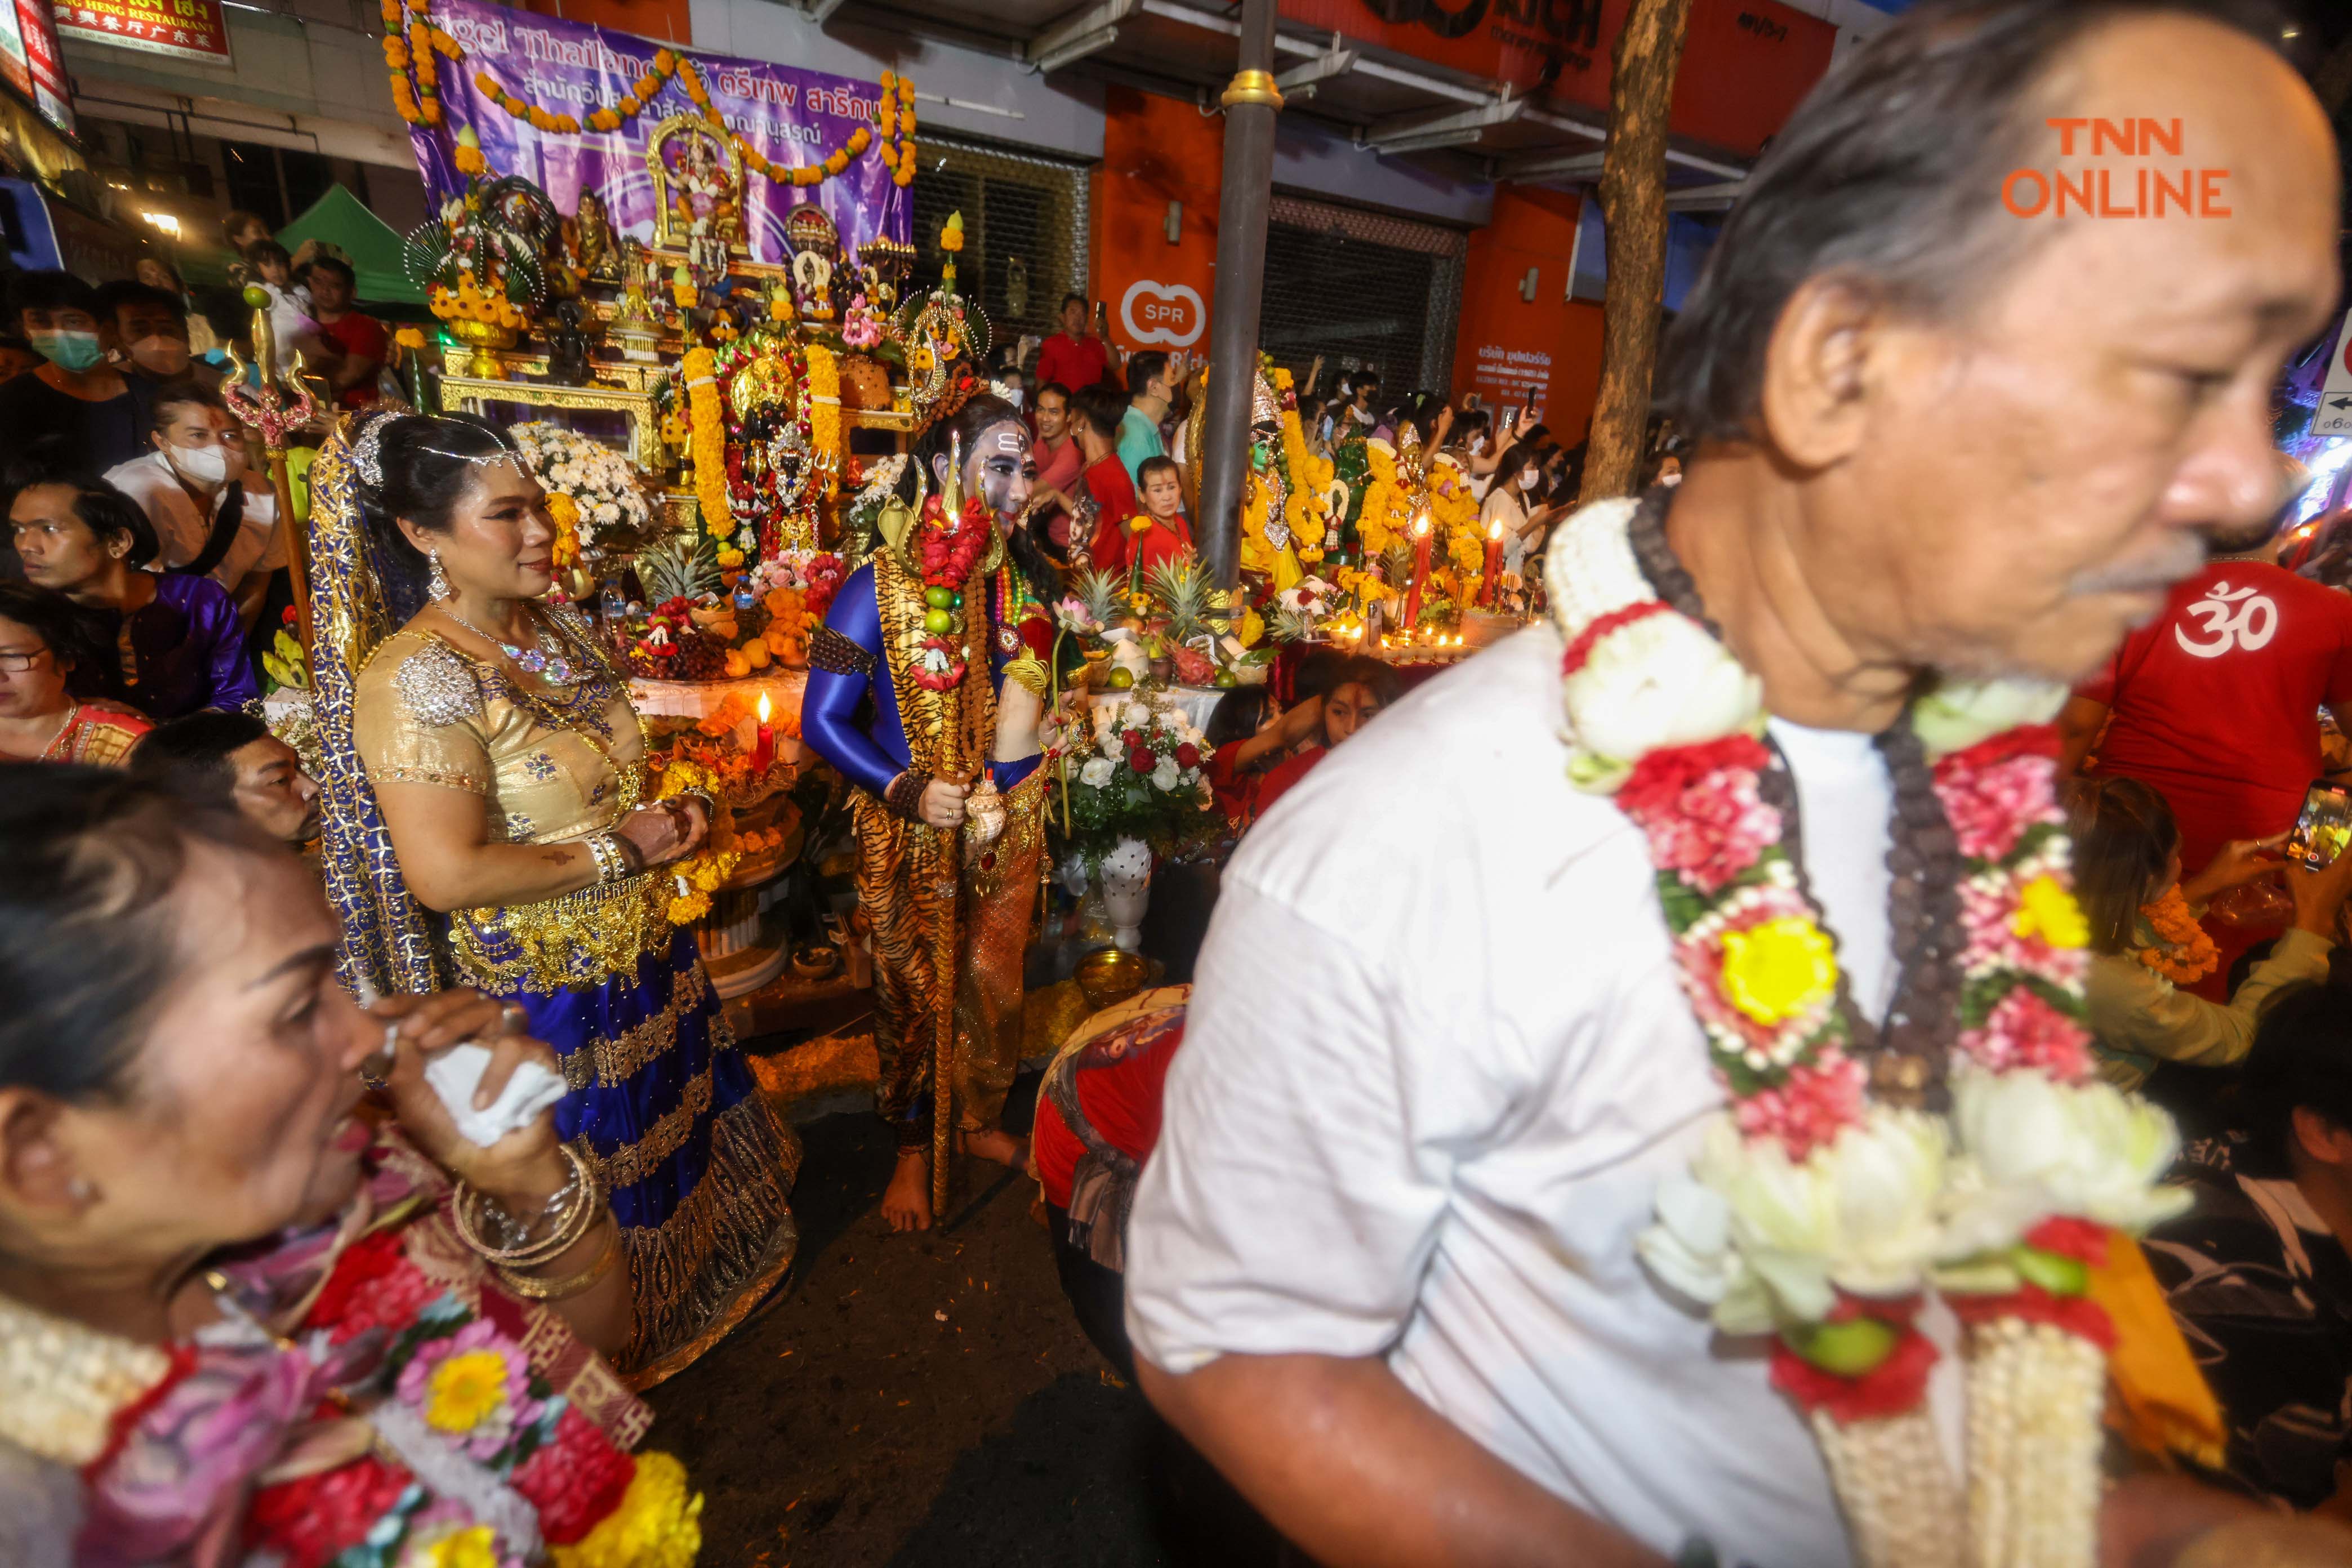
{"points": [[1099, 409], [1074, 356], [2215, 703], [1061, 459]]}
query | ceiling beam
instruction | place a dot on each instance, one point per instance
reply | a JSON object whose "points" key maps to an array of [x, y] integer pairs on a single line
{"points": [[1322, 68], [1446, 128], [1083, 33], [1550, 164], [1699, 198]]}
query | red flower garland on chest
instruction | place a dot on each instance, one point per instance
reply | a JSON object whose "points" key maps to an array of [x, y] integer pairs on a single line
{"points": [[948, 548]]}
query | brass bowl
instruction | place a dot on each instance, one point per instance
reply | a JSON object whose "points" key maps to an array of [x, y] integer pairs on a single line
{"points": [[1110, 976]]}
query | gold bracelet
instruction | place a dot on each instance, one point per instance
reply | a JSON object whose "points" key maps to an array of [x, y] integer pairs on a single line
{"points": [[567, 1230], [532, 1288]]}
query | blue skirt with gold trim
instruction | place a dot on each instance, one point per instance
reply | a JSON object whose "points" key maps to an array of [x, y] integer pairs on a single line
{"points": [[698, 1167]]}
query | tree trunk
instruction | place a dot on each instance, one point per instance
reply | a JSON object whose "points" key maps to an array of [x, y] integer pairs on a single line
{"points": [[1634, 204]]}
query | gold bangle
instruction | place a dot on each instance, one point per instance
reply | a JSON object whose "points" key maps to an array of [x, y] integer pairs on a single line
{"points": [[532, 1288], [567, 1230]]}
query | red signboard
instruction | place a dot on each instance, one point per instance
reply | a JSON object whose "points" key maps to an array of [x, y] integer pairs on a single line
{"points": [[51, 94], [189, 30], [1745, 64]]}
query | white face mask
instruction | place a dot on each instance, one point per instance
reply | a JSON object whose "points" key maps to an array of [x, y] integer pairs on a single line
{"points": [[206, 466], [1529, 476]]}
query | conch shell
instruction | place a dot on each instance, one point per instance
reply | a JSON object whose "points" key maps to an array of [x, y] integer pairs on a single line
{"points": [[983, 813]]}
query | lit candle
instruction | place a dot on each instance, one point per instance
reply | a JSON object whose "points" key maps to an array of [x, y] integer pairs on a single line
{"points": [[1419, 568], [764, 753]]}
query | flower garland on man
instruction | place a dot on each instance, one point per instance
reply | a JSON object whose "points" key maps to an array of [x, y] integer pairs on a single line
{"points": [[926, 691]]}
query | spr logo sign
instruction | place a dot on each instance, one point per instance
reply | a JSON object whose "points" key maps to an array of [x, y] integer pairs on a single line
{"points": [[1165, 313]]}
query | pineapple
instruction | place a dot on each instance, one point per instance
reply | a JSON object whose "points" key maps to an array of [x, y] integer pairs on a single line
{"points": [[1182, 586], [1103, 594], [678, 565]]}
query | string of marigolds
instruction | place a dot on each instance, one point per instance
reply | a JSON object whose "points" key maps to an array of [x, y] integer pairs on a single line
{"points": [[409, 51]]}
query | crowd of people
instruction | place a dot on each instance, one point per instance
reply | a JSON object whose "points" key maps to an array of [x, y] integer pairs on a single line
{"points": [[1399, 1209]]}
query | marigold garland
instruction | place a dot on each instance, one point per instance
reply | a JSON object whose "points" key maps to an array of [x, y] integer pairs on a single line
{"points": [[414, 95], [823, 390], [707, 445], [693, 880], [1454, 510], [2184, 954]]}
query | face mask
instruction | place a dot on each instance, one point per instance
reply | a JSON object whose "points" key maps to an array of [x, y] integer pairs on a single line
{"points": [[159, 355], [67, 351], [206, 466], [1014, 397], [1527, 478]]}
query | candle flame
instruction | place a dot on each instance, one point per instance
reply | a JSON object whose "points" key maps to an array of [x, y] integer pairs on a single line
{"points": [[763, 708], [1420, 525], [1495, 532]]}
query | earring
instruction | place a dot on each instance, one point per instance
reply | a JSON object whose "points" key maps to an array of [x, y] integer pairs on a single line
{"points": [[80, 1190], [437, 584]]}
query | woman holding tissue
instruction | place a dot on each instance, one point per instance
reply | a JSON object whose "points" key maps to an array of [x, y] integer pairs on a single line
{"points": [[237, 1321], [484, 739]]}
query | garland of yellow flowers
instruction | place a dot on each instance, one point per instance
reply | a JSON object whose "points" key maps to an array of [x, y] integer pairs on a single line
{"points": [[707, 445], [419, 103], [1454, 512], [707, 870], [1307, 507], [823, 395], [1386, 514]]}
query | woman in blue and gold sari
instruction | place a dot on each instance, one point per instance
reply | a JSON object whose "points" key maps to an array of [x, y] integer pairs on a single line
{"points": [[486, 827]]}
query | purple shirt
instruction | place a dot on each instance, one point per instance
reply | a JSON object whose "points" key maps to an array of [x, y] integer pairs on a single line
{"points": [[186, 651]]}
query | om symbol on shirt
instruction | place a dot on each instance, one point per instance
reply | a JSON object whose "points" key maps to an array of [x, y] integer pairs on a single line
{"points": [[2232, 619]]}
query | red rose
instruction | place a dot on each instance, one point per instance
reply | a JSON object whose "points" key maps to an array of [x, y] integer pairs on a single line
{"points": [[1188, 755], [1137, 741], [1141, 760], [575, 1480], [363, 1263], [286, 617]]}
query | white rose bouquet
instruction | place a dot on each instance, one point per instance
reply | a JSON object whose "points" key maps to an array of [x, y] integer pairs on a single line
{"points": [[1133, 769]]}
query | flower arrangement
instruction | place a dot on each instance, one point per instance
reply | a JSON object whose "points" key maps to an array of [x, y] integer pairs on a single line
{"points": [[861, 328], [1133, 769], [1384, 518], [408, 56], [1816, 1210], [1454, 512], [1305, 507], [820, 394], [596, 486], [456, 1385]]}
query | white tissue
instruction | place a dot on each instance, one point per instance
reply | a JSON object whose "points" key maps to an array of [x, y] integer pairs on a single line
{"points": [[457, 1071]]}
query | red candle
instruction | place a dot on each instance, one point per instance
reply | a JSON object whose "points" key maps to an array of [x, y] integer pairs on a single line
{"points": [[1420, 570], [1489, 581], [764, 753]]}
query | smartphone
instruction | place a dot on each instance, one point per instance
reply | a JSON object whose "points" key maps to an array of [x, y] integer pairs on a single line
{"points": [[2323, 828]]}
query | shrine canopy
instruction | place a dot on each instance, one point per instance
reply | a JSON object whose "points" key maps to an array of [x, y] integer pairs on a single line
{"points": [[686, 150], [338, 218]]}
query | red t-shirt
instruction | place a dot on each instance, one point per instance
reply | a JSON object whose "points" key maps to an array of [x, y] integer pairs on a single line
{"points": [[1060, 470], [1278, 782], [1074, 361], [362, 337], [1120, 1098], [2215, 704], [1114, 492], [1161, 541]]}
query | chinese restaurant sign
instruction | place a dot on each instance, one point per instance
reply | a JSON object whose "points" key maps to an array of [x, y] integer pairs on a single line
{"points": [[28, 59], [1745, 65], [186, 29], [792, 118]]}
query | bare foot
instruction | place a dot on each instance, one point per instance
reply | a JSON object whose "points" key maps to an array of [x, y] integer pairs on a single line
{"points": [[906, 1201], [997, 1147]]}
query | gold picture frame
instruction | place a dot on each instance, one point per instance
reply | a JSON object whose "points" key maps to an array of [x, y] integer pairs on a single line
{"points": [[668, 234]]}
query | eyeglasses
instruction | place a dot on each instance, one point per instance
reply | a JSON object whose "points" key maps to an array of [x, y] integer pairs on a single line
{"points": [[17, 663]]}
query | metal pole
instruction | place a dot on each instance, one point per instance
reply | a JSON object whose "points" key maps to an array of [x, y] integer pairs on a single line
{"points": [[1251, 102]]}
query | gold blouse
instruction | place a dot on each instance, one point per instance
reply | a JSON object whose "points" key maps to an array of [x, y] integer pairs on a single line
{"points": [[551, 765]]}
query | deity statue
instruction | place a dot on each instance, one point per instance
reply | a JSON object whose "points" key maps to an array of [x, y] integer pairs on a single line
{"points": [[593, 250], [567, 347], [813, 275], [702, 194], [926, 690]]}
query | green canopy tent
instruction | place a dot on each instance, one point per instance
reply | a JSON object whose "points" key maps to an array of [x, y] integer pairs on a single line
{"points": [[338, 218]]}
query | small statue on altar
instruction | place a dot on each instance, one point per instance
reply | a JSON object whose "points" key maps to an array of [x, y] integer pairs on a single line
{"points": [[700, 191], [926, 691], [593, 250], [813, 274], [567, 347]]}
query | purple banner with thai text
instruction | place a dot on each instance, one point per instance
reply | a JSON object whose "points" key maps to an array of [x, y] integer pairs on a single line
{"points": [[665, 177]]}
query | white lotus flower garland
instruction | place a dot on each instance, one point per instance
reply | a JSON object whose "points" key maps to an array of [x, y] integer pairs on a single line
{"points": [[1813, 1211]]}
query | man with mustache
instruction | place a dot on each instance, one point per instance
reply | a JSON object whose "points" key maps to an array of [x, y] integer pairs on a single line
{"points": [[1381, 1268]]}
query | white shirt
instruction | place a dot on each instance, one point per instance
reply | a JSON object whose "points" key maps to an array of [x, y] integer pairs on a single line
{"points": [[181, 527], [1437, 1060]]}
